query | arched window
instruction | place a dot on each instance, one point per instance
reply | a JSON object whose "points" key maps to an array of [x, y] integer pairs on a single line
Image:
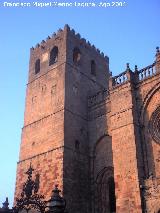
{"points": [[53, 56], [37, 66], [93, 67], [76, 55], [105, 199]]}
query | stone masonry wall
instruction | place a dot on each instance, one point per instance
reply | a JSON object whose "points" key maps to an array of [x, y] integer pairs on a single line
{"points": [[48, 165], [124, 150], [43, 132]]}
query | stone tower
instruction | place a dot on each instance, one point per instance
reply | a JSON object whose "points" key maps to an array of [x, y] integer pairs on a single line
{"points": [[64, 71], [94, 135]]}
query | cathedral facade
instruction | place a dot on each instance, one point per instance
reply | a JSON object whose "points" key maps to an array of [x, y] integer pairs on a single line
{"points": [[95, 135]]}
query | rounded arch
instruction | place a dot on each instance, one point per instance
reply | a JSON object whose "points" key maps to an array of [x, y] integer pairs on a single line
{"points": [[154, 125], [147, 131], [105, 171], [105, 199], [99, 140], [102, 153], [102, 171], [147, 100]]}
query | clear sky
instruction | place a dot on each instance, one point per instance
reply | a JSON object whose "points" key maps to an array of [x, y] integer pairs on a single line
{"points": [[129, 33]]}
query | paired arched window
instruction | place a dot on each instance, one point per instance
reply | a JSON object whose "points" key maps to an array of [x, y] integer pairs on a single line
{"points": [[93, 67], [76, 55], [37, 66], [53, 56]]}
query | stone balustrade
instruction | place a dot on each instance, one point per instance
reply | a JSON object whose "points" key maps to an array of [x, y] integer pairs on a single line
{"points": [[120, 79], [146, 72]]}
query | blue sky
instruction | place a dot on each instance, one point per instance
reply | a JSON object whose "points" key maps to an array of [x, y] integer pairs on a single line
{"points": [[126, 34]]}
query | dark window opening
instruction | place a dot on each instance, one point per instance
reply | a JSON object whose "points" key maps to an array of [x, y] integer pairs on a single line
{"points": [[112, 197], [76, 55], [53, 56], [93, 67], [77, 143], [37, 66]]}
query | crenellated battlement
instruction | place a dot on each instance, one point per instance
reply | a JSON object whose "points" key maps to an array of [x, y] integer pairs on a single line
{"points": [[43, 42], [60, 32], [85, 42]]}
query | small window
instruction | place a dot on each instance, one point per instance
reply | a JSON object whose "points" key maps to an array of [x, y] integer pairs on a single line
{"points": [[93, 68], [76, 55], [37, 66], [53, 89], [53, 56]]}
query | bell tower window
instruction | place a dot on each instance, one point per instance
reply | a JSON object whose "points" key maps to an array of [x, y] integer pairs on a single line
{"points": [[53, 56], [37, 66], [93, 68], [76, 55]]}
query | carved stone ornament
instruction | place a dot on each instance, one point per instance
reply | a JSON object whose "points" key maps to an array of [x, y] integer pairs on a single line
{"points": [[154, 125]]}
